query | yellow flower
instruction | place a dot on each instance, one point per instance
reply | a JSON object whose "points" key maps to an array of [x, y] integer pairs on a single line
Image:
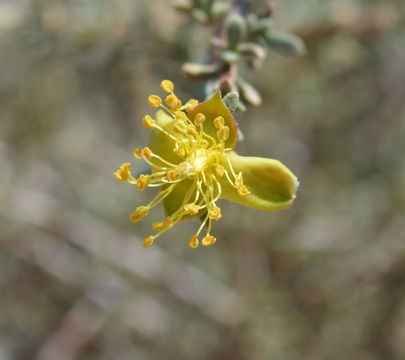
{"points": [[193, 164]]}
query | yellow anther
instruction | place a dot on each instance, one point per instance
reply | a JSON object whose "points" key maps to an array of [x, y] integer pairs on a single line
{"points": [[171, 175], [167, 86], [137, 153], [239, 180], [170, 99], [146, 152], [215, 213], [165, 224], [148, 241], [191, 209], [193, 242], [191, 104], [183, 168], [124, 172], [180, 115], [219, 122], [223, 133], [199, 119], [175, 105], [179, 150], [191, 130], [142, 182], [219, 147], [148, 122], [154, 101], [219, 170], [139, 213], [179, 127], [208, 240], [243, 190]]}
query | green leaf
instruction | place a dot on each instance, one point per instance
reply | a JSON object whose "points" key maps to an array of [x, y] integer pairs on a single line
{"points": [[284, 42], [213, 108], [271, 184]]}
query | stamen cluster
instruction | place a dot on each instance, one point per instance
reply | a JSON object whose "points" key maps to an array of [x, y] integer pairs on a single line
{"points": [[199, 156]]}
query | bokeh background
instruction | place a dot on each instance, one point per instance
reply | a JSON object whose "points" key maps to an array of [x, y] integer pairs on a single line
{"points": [[324, 279]]}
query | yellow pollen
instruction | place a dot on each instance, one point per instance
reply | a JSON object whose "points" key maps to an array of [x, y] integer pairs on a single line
{"points": [[208, 240], [124, 172], [219, 147], [243, 190], [167, 86], [170, 99], [199, 119], [138, 215], [193, 242], [165, 224], [239, 180], [223, 133], [191, 209], [137, 153], [179, 127], [142, 182], [154, 101], [191, 130], [219, 170], [146, 152], [180, 151], [219, 122], [180, 115], [148, 122], [191, 104], [171, 175], [148, 241], [175, 105], [215, 213]]}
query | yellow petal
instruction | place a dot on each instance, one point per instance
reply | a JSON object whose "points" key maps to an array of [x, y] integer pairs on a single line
{"points": [[212, 109], [271, 184]]}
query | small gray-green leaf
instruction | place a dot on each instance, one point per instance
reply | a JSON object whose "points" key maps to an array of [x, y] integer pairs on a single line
{"points": [[200, 16], [250, 94], [284, 42], [200, 71], [231, 100], [236, 30], [230, 56], [219, 9], [251, 50], [184, 5]]}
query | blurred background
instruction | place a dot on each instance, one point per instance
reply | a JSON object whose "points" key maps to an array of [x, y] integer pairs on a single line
{"points": [[324, 279]]}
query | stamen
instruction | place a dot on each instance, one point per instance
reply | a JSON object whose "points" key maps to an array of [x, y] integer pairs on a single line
{"points": [[191, 209], [199, 119], [243, 191], [193, 242], [219, 122], [146, 152], [215, 213], [219, 170], [171, 175], [167, 86], [154, 101], [142, 182], [192, 103], [139, 213], [148, 122], [223, 133], [137, 153], [208, 240], [124, 173], [179, 127], [148, 241]]}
